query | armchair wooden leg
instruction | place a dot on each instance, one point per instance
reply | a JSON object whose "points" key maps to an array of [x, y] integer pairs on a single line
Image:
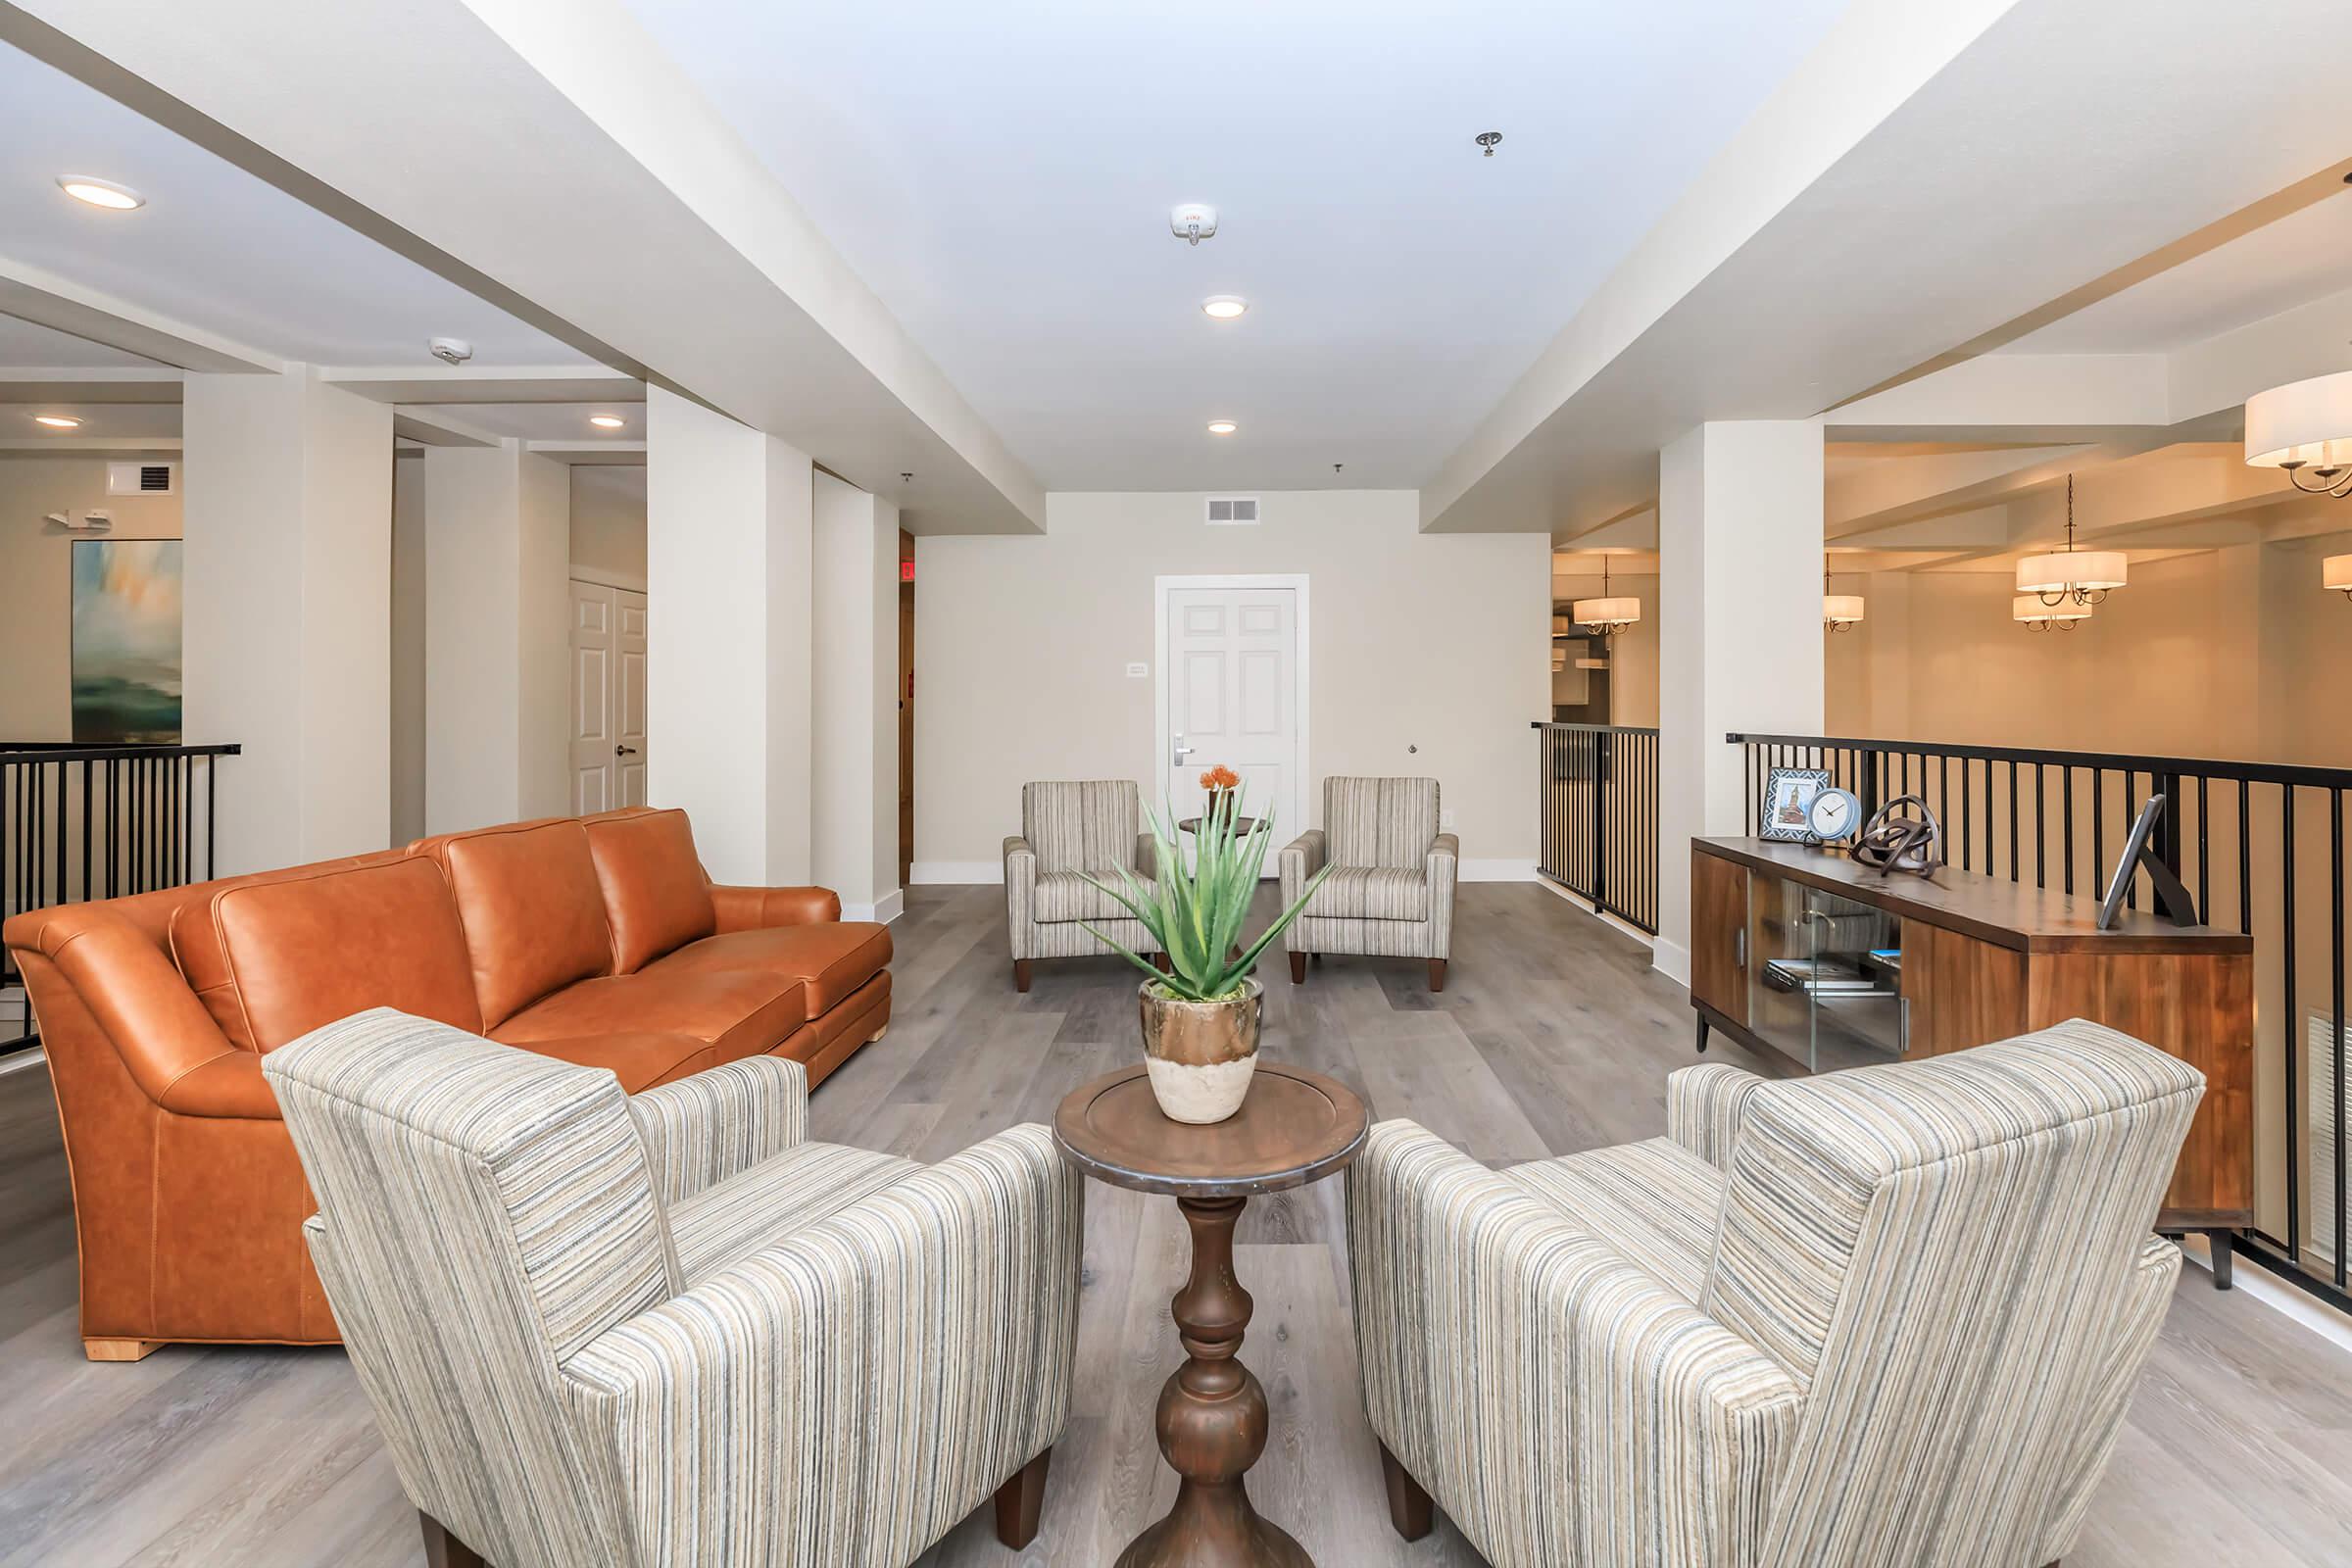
{"points": [[1020, 1500], [1410, 1509], [1163, 963], [1297, 968], [1020, 975], [445, 1550], [1437, 975]]}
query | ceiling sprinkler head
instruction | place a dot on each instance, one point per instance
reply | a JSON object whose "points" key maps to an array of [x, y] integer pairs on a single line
{"points": [[1488, 139], [906, 476]]}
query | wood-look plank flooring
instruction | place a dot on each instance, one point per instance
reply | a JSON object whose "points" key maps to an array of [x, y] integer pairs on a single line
{"points": [[1553, 1035]]}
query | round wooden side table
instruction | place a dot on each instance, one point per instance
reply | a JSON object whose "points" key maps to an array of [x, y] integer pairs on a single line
{"points": [[1241, 825], [1295, 1127]]}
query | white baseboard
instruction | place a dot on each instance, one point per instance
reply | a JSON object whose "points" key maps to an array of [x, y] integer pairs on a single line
{"points": [[959, 873], [1495, 871], [1671, 960], [886, 908], [1602, 915]]}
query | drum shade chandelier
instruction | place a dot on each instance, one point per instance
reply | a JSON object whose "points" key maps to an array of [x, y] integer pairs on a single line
{"points": [[2071, 575]]}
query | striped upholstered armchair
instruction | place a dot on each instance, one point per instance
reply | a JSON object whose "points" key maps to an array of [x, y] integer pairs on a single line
{"points": [[1069, 826], [610, 1332], [1890, 1315], [1390, 890]]}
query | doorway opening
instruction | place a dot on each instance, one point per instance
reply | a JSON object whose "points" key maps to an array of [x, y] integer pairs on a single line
{"points": [[608, 697]]}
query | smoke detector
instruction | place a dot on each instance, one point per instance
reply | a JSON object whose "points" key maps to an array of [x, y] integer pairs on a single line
{"points": [[1194, 221], [451, 350]]}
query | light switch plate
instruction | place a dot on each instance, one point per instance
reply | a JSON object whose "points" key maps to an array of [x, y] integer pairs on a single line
{"points": [[1139, 670]]}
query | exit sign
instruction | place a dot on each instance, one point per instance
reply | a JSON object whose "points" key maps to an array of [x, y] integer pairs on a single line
{"points": [[905, 571]]}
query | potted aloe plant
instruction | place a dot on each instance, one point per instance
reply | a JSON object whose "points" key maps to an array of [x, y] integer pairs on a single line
{"points": [[1201, 1015]]}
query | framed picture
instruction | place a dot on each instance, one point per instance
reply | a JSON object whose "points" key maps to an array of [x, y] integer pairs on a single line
{"points": [[125, 640], [1789, 802]]}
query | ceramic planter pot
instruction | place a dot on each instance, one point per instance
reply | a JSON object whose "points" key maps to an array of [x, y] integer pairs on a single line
{"points": [[1201, 1054]]}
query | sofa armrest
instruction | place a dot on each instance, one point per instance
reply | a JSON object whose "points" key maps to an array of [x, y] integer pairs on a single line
{"points": [[1502, 1348], [926, 1334], [718, 1123], [1704, 1107], [758, 908], [168, 1043]]}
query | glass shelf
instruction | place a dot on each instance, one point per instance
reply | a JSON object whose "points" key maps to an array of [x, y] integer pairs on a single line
{"points": [[1826, 986]]}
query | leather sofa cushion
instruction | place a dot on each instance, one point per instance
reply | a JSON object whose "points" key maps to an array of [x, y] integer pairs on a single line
{"points": [[295, 952], [640, 1060], [655, 897], [180, 921], [534, 915], [833, 959], [741, 1013]]}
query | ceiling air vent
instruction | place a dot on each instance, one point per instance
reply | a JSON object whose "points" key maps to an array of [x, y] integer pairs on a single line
{"points": [[142, 478], [1228, 511]]}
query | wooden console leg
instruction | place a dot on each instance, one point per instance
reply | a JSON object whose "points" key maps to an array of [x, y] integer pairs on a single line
{"points": [[1437, 975], [1297, 968], [445, 1550], [1411, 1508], [1020, 1500], [120, 1350], [1702, 1031], [2219, 1241], [1020, 975]]}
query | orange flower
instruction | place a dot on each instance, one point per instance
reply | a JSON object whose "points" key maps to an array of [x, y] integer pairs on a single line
{"points": [[1220, 777]]}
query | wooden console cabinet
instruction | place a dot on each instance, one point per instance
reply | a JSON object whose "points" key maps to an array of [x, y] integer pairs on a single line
{"points": [[1804, 953]]}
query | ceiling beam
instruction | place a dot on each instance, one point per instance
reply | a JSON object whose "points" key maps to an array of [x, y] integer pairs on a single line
{"points": [[93, 446], [438, 428], [591, 453], [47, 300], [60, 386], [458, 383]]}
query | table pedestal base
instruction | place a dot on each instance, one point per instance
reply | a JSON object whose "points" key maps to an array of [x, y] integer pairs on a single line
{"points": [[1212, 1419]]}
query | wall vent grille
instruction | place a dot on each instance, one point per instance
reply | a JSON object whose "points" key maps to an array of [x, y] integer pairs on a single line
{"points": [[1228, 511], [142, 478]]}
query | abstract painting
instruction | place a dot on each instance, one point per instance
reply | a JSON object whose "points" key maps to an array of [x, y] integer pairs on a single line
{"points": [[127, 659]]}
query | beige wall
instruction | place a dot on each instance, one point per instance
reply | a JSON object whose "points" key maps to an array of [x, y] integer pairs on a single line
{"points": [[608, 524], [1432, 640], [36, 588], [2233, 654], [408, 648]]}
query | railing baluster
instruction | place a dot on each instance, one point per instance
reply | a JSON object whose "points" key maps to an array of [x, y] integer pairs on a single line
{"points": [[2293, 1033], [2336, 1039]]}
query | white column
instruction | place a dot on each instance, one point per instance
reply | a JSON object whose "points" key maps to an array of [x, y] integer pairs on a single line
{"points": [[1740, 538], [496, 636], [288, 621], [855, 773], [728, 638]]}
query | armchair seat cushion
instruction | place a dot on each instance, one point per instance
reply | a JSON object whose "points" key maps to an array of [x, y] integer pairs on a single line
{"points": [[741, 1012], [1654, 1202], [1372, 892], [832, 958], [1068, 896], [768, 1204]]}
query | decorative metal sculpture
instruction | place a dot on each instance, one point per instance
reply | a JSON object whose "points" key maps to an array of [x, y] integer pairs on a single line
{"points": [[1895, 842]]}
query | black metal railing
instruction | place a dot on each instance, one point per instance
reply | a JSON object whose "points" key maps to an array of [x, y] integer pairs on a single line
{"points": [[1599, 802], [97, 823], [2260, 846]]}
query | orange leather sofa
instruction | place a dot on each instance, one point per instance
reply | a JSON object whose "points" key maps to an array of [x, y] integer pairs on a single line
{"points": [[597, 940]]}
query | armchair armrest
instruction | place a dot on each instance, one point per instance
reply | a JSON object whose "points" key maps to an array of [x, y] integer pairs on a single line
{"points": [[1504, 1349], [925, 1333], [1146, 857], [1020, 896], [758, 908], [1704, 1107], [1300, 860], [718, 1123]]}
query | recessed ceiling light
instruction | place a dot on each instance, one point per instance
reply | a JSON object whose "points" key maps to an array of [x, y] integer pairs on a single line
{"points": [[1224, 306], [100, 192], [607, 422], [1222, 427], [58, 421]]}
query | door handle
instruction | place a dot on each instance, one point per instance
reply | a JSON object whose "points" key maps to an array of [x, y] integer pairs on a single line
{"points": [[1179, 753], [624, 751]]}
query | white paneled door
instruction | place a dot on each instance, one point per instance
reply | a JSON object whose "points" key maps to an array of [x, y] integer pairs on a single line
{"points": [[608, 697], [1232, 695]]}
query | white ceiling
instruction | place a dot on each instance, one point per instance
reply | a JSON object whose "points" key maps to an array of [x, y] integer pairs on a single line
{"points": [[107, 420], [2300, 258], [1001, 177], [214, 247], [540, 421]]}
